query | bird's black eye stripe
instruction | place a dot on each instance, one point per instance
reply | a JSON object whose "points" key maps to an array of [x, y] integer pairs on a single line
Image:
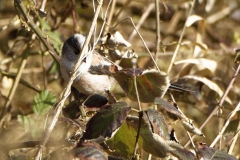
{"points": [[76, 46], [75, 43], [76, 51]]}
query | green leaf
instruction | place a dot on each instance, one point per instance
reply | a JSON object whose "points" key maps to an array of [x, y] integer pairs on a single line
{"points": [[27, 122], [54, 36], [32, 124], [43, 102], [54, 69], [153, 135], [106, 121], [122, 143], [44, 24], [151, 142]]}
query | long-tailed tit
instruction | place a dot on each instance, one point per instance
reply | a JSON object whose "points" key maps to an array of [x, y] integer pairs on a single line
{"points": [[93, 77]]}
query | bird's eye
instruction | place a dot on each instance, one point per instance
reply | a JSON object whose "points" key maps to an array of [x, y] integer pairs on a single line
{"points": [[74, 43], [76, 51]]}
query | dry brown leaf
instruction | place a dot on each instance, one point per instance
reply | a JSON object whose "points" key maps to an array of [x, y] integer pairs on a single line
{"points": [[193, 18]]}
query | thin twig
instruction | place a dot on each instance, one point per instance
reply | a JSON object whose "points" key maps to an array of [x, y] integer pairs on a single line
{"points": [[103, 25], [74, 17], [191, 141], [21, 81], [213, 18], [137, 94], [44, 72], [138, 133], [141, 21], [15, 84], [18, 4], [158, 39], [43, 5], [67, 90], [149, 156], [32, 144], [180, 39], [140, 117], [110, 16], [126, 4], [234, 140], [220, 102], [226, 124], [158, 35], [145, 45]]}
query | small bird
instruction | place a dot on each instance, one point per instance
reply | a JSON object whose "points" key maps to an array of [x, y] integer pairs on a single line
{"points": [[93, 77]]}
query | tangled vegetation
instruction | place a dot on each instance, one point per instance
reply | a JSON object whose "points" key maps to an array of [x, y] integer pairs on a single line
{"points": [[160, 45]]}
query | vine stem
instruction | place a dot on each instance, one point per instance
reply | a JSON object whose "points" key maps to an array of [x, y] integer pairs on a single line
{"points": [[67, 90]]}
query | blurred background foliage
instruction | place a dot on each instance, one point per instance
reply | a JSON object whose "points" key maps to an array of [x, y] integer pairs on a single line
{"points": [[207, 51]]}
